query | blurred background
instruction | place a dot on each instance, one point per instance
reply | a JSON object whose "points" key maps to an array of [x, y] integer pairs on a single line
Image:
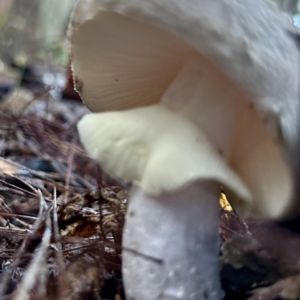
{"points": [[292, 7], [34, 30], [33, 46]]}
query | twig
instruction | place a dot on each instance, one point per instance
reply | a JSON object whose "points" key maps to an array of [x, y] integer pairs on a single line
{"points": [[17, 216], [21, 250], [34, 270], [68, 175], [58, 252]]}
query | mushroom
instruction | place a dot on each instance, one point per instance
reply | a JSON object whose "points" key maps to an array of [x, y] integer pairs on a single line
{"points": [[187, 96]]}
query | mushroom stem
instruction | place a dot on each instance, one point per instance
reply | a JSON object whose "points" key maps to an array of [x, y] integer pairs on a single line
{"points": [[171, 244]]}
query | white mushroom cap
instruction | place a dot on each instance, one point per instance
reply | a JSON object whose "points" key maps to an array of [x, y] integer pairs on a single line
{"points": [[227, 67]]}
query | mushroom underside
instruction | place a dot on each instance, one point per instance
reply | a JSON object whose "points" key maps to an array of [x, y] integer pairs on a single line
{"points": [[123, 63]]}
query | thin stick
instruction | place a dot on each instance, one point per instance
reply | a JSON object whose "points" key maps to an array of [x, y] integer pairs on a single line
{"points": [[58, 252], [40, 219], [68, 175]]}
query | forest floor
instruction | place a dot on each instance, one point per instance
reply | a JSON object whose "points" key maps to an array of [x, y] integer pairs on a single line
{"points": [[61, 218]]}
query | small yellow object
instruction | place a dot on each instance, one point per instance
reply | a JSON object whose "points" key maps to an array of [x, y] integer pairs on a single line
{"points": [[224, 202]]}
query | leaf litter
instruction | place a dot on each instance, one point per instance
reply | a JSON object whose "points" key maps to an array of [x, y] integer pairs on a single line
{"points": [[61, 217]]}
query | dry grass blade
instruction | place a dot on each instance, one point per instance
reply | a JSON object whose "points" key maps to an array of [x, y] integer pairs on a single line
{"points": [[46, 163], [36, 270], [58, 245], [22, 249]]}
